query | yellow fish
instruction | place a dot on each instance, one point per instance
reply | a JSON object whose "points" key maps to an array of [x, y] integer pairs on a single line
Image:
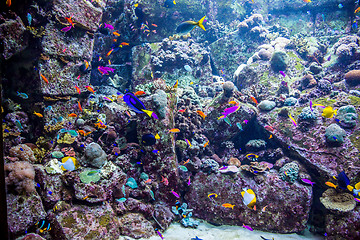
{"points": [[207, 143], [329, 112], [249, 198], [212, 195], [228, 205], [330, 184], [157, 137], [251, 155]]}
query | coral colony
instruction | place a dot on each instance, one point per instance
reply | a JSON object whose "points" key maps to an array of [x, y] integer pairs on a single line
{"points": [[121, 118]]}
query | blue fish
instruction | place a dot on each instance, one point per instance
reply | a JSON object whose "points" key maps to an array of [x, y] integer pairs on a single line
{"points": [[187, 26], [343, 180], [22, 95], [137, 106], [148, 139], [29, 18], [44, 225], [196, 238]]}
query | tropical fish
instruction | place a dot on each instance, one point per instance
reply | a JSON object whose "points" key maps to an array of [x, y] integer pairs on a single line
{"points": [[266, 238], [174, 130], [201, 113], [105, 70], [8, 3], [343, 180], [181, 110], [77, 89], [357, 10], [68, 163], [187, 26], [357, 199], [109, 26], [38, 114], [212, 195], [175, 194], [108, 54], [124, 44], [18, 125], [108, 99], [356, 189], [228, 205], [148, 181], [247, 227], [228, 111], [196, 238], [148, 139], [169, 3], [44, 78], [264, 208], [249, 197], [72, 115], [159, 233], [165, 180], [22, 95], [188, 142], [183, 168], [176, 84], [137, 106], [205, 144], [282, 73], [157, 137], [234, 102], [292, 120], [311, 105], [90, 89], [251, 155], [139, 93], [307, 181], [79, 105], [100, 125], [69, 19], [330, 184], [82, 132], [116, 34], [329, 112], [254, 100], [43, 225], [29, 18], [120, 200], [189, 182], [227, 120], [307, 1], [66, 29]]}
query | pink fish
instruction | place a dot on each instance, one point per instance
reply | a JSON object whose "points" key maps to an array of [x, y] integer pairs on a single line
{"points": [[105, 70], [109, 26], [229, 110], [246, 121], [247, 227], [188, 182], [175, 194], [311, 105], [356, 199], [282, 73], [66, 29], [307, 181]]}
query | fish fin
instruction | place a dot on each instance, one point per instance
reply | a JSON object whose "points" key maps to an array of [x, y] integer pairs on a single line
{"points": [[357, 186], [200, 23], [147, 112], [335, 112], [350, 188]]}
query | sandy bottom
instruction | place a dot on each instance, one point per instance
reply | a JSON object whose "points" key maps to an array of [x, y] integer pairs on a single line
{"points": [[207, 231]]}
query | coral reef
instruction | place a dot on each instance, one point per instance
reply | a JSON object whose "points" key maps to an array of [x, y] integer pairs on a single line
{"points": [[94, 155], [289, 172], [20, 176], [347, 116], [342, 202], [334, 134]]}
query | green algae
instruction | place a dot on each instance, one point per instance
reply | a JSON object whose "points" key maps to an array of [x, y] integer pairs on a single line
{"points": [[355, 101], [324, 101], [92, 235], [299, 66], [355, 140]]}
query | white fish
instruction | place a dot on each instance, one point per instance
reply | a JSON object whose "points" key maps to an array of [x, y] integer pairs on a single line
{"points": [[249, 198], [68, 163]]}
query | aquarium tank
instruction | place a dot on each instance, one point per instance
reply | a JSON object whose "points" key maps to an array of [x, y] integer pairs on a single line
{"points": [[180, 119]]}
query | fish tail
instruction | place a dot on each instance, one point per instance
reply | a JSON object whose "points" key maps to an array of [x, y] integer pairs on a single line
{"points": [[335, 112], [147, 112], [200, 23]]}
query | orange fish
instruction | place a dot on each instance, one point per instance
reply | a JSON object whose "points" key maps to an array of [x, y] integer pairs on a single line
{"points": [[116, 34], [254, 208], [8, 3], [114, 40], [357, 10], [307, 1], [82, 132], [79, 105], [254, 100], [101, 126], [330, 184], [207, 143], [154, 25], [148, 181], [234, 102], [201, 113], [72, 115], [78, 89], [264, 208], [38, 114], [139, 93], [187, 161], [108, 54], [70, 20], [44, 78], [271, 136], [90, 89], [174, 130], [165, 181], [124, 44], [228, 205]]}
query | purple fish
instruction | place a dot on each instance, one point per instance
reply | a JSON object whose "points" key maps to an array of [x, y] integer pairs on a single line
{"points": [[66, 29], [229, 110], [329, 58], [356, 199], [189, 182], [246, 121], [109, 26], [311, 106], [282, 73], [307, 181], [154, 115], [159, 233], [175, 194], [105, 70], [248, 227], [223, 168], [284, 83]]}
